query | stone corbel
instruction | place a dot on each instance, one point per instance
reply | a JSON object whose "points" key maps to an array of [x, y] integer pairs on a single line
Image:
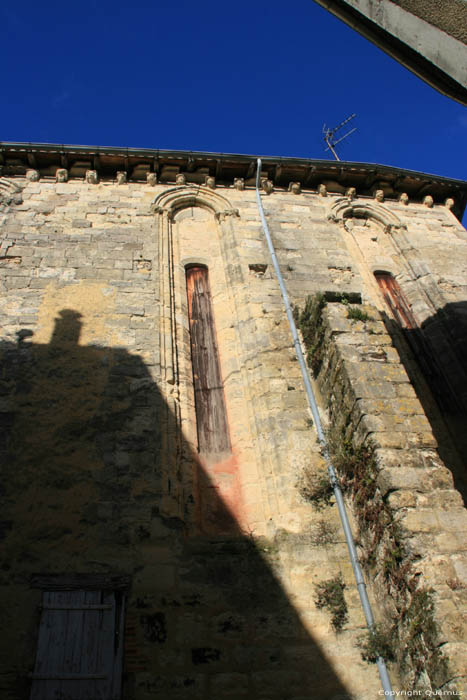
{"points": [[121, 177], [222, 215], [379, 195], [322, 191], [394, 228], [210, 182], [239, 183], [295, 187], [449, 203], [267, 185], [351, 193], [168, 212], [61, 175], [91, 177], [404, 198], [180, 179], [32, 175], [151, 179], [428, 201]]}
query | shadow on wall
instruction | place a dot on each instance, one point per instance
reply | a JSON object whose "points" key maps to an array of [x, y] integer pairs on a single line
{"points": [[435, 357], [98, 480]]}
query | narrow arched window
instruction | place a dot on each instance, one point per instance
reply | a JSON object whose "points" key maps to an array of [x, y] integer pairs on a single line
{"points": [[415, 336], [395, 300], [211, 415]]}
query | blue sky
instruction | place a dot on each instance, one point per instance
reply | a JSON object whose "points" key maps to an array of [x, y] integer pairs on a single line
{"points": [[241, 77]]}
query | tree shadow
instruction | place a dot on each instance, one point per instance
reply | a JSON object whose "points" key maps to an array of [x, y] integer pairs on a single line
{"points": [[435, 357], [98, 479]]}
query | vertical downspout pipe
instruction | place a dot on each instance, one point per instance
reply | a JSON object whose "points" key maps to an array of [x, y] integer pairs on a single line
{"points": [[383, 673]]}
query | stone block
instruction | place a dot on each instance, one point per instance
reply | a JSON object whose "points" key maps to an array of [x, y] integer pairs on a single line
{"points": [[406, 478], [228, 685], [421, 521]]}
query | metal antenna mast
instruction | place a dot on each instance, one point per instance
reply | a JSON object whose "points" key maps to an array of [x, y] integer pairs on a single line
{"points": [[329, 134]]}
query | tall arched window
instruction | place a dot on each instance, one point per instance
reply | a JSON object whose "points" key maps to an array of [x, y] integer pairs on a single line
{"points": [[415, 337], [395, 300], [211, 415]]}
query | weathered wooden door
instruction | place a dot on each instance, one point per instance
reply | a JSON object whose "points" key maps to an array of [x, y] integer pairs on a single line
{"points": [[211, 417], [79, 652]]}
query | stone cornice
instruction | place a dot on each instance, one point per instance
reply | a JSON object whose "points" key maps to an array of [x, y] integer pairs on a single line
{"points": [[198, 168]]}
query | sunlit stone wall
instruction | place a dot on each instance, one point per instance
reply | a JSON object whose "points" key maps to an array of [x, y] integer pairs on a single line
{"points": [[218, 558]]}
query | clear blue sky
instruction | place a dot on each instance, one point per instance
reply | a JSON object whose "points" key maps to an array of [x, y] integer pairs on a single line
{"points": [[243, 77]]}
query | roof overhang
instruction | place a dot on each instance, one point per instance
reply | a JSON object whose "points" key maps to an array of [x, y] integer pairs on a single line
{"points": [[17, 158]]}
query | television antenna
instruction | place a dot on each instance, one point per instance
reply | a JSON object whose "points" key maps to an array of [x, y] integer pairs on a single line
{"points": [[329, 135]]}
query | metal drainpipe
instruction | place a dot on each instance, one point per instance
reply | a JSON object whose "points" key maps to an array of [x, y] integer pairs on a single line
{"points": [[383, 674]]}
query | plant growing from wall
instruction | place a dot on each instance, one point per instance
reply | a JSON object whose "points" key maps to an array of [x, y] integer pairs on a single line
{"points": [[324, 533], [310, 322], [330, 595], [355, 313], [380, 641], [316, 488], [413, 640]]}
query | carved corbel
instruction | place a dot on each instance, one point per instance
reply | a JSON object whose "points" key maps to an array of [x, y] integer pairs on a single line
{"points": [[180, 179], [394, 228], [428, 201], [404, 198], [239, 183], [61, 175], [222, 215], [157, 209], [295, 187], [351, 193], [32, 175], [322, 191], [91, 177], [10, 192], [379, 195], [121, 177], [449, 203], [267, 185], [151, 179], [210, 182]]}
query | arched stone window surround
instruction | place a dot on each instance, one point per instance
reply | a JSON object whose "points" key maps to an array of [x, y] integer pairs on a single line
{"points": [[10, 193], [342, 209], [177, 198], [411, 273], [175, 360], [418, 285], [167, 205]]}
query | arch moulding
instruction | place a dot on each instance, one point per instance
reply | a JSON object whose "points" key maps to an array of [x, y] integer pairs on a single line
{"points": [[343, 208], [173, 200], [10, 192]]}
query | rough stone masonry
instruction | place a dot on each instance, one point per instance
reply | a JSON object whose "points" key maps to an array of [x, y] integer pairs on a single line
{"points": [[138, 565]]}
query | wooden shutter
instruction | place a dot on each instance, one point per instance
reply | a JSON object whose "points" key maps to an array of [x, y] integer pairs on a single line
{"points": [[422, 350], [79, 652], [395, 300], [211, 417]]}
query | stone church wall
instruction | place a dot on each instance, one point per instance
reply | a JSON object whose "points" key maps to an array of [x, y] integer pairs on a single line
{"points": [[219, 556]]}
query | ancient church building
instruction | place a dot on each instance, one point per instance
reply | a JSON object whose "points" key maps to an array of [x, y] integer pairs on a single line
{"points": [[168, 529]]}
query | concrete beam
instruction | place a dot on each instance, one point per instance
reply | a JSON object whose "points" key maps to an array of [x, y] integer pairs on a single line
{"points": [[418, 35]]}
